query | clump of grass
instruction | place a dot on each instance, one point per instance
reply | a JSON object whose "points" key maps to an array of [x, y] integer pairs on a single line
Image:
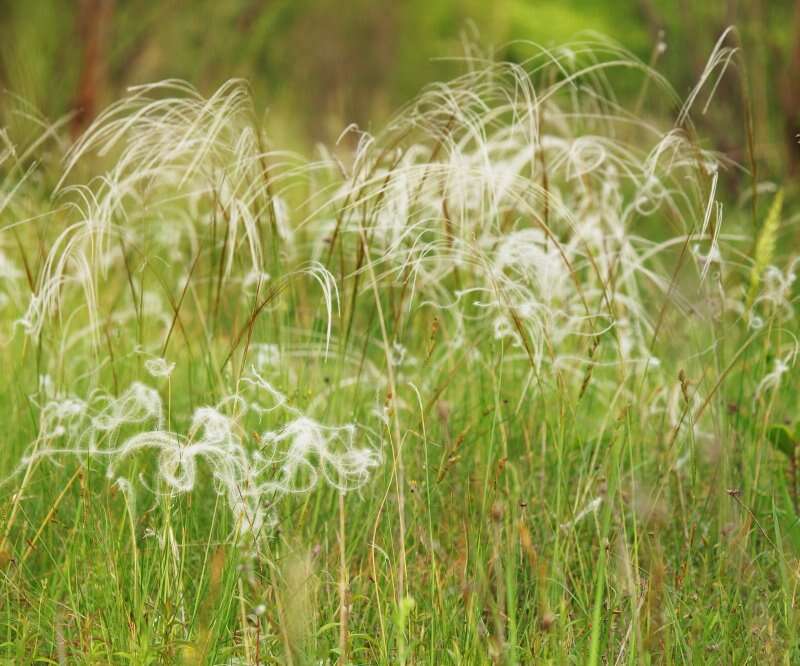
{"points": [[485, 338], [251, 475]]}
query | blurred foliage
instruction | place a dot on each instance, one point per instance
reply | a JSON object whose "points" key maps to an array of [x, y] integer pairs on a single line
{"points": [[318, 65]]}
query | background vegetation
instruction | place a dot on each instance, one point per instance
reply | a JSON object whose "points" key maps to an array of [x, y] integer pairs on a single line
{"points": [[318, 65]]}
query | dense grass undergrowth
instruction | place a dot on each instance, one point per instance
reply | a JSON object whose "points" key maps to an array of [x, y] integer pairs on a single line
{"points": [[510, 381]]}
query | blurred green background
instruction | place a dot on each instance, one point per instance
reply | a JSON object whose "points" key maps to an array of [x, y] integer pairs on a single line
{"points": [[317, 65]]}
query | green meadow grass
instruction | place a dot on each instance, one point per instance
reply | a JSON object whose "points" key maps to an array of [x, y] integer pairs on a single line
{"points": [[585, 465]]}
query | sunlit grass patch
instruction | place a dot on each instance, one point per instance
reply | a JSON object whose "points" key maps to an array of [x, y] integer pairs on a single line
{"points": [[506, 382]]}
